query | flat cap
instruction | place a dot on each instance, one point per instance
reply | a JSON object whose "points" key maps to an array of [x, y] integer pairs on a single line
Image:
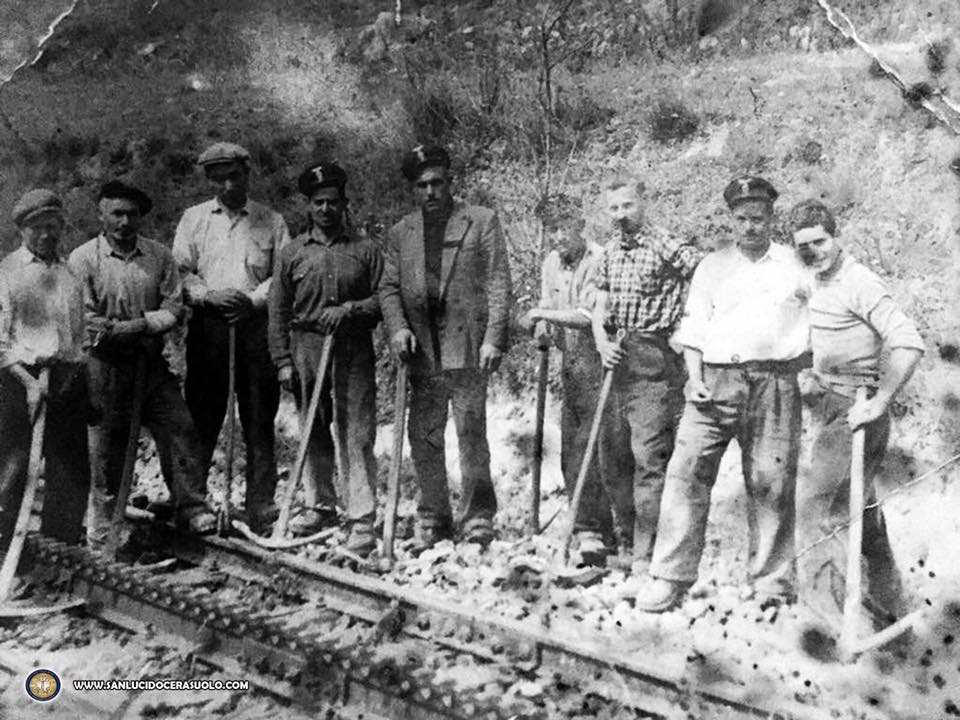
{"points": [[749, 187], [34, 203], [117, 189], [322, 174], [422, 157], [223, 152]]}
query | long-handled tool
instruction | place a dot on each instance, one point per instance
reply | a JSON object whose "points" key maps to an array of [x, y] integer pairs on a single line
{"points": [[280, 527], [393, 479], [543, 369], [12, 558], [588, 454], [130, 456], [852, 598], [223, 519]]}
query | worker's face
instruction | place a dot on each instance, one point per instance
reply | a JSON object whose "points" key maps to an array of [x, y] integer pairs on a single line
{"points": [[326, 209], [816, 248], [753, 220], [231, 181], [432, 189], [41, 234], [120, 219], [566, 237], [624, 209]]}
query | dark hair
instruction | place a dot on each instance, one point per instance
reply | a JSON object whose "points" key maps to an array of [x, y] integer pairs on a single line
{"points": [[560, 210], [811, 213]]}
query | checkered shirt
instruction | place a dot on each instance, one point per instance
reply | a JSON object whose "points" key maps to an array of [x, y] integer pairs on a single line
{"points": [[646, 276]]}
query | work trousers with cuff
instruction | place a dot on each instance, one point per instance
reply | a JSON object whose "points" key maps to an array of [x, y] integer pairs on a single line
{"points": [[466, 391], [164, 413], [348, 400], [645, 400], [257, 389], [758, 404], [823, 511], [65, 452]]}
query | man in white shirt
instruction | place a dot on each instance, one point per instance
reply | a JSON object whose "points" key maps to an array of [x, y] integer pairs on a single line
{"points": [[226, 249], [745, 334]]}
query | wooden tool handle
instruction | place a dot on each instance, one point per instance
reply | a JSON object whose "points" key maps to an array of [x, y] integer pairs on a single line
{"points": [[393, 481], [853, 594]]}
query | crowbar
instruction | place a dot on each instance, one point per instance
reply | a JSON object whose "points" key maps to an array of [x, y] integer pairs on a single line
{"points": [[306, 429], [852, 598], [393, 479], [223, 519], [543, 369]]}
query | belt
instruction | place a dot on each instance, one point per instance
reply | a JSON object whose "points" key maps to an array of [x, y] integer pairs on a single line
{"points": [[793, 365]]}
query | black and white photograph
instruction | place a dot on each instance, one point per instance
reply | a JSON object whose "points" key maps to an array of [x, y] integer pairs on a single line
{"points": [[479, 359]]}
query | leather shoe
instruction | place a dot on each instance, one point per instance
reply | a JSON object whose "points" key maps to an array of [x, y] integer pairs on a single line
{"points": [[362, 539], [478, 530], [661, 595]]}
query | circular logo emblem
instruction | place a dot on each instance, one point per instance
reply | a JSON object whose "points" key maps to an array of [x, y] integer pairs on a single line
{"points": [[43, 685]]}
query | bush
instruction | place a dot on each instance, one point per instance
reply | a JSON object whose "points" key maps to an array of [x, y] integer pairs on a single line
{"points": [[670, 120]]}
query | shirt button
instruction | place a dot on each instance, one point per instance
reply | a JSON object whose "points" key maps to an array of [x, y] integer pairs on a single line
{"points": [[735, 358]]}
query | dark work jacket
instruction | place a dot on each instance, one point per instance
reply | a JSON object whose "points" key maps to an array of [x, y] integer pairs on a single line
{"points": [[475, 290]]}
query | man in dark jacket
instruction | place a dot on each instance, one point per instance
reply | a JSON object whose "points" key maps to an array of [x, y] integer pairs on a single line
{"points": [[446, 299]]}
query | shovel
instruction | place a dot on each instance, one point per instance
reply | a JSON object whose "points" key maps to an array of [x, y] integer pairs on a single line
{"points": [[223, 519]]}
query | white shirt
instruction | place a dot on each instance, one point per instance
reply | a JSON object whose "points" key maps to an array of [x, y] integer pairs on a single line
{"points": [[218, 249], [739, 310]]}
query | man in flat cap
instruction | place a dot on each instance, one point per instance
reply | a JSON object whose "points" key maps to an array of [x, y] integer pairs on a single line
{"points": [[326, 284], [446, 298], [853, 320], [745, 335], [227, 249], [641, 280], [133, 296], [562, 318], [41, 326]]}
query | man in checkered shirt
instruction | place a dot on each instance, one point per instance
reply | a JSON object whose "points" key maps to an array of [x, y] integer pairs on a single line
{"points": [[641, 280]]}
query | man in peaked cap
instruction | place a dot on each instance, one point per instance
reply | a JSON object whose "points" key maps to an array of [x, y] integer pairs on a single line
{"points": [[446, 299], [41, 326], [227, 249], [745, 334], [133, 296], [326, 284]]}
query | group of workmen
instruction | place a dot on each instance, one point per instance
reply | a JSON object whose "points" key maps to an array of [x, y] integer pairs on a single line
{"points": [[700, 349]]}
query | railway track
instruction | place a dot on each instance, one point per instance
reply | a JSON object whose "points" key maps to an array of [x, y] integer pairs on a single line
{"points": [[346, 645]]}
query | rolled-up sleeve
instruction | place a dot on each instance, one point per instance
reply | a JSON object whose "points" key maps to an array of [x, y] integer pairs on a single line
{"points": [[885, 316], [696, 313], [170, 310], [187, 255]]}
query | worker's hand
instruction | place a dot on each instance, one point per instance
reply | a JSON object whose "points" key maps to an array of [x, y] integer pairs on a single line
{"points": [[331, 317], [286, 378], [490, 357], [36, 395], [528, 321], [610, 353], [532, 322], [124, 330], [234, 305], [404, 344], [697, 391], [866, 411]]}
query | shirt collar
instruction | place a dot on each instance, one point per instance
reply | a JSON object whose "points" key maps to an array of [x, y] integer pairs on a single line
{"points": [[106, 249], [220, 209], [26, 256], [314, 236]]}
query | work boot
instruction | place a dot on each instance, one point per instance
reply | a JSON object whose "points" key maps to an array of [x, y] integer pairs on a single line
{"points": [[591, 547], [660, 595], [478, 530], [310, 521], [261, 518], [361, 540], [428, 532]]}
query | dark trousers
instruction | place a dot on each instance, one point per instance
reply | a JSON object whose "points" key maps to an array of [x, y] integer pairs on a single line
{"points": [[645, 401], [581, 374], [760, 408], [164, 413], [258, 394], [466, 391], [67, 466], [823, 506], [348, 399]]}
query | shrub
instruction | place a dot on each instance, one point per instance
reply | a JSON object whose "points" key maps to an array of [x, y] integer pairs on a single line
{"points": [[670, 120]]}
